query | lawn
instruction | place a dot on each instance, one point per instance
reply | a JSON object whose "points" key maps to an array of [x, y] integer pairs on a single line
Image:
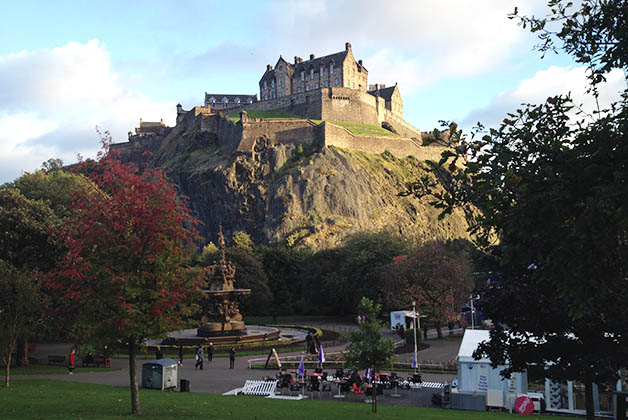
{"points": [[268, 115], [359, 128], [59, 400]]}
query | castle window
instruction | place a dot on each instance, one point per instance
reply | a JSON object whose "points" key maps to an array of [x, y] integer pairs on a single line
{"points": [[312, 74], [250, 100], [272, 83], [274, 95], [237, 100], [322, 71], [307, 87], [331, 68], [302, 75], [265, 84], [326, 83], [282, 82], [337, 82], [212, 100], [225, 100], [299, 89], [317, 85], [266, 97]]}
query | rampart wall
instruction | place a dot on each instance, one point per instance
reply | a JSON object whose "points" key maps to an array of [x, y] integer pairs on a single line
{"points": [[277, 132], [400, 147]]}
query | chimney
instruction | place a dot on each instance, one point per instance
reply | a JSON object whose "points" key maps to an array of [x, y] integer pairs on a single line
{"points": [[311, 56], [376, 86], [371, 87], [347, 46], [360, 63], [269, 67], [296, 59], [140, 120], [161, 120], [382, 86]]}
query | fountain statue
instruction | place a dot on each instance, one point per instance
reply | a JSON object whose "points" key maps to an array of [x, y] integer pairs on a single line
{"points": [[223, 317]]}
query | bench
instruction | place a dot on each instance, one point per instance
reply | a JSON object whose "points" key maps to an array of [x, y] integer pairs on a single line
{"points": [[260, 388], [56, 360], [94, 361]]}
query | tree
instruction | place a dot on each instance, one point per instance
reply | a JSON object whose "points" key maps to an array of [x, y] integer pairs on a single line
{"points": [[125, 276], [437, 278], [20, 310], [550, 187], [367, 346]]}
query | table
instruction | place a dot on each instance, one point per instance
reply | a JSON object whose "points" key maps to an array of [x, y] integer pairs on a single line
{"points": [[340, 382]]}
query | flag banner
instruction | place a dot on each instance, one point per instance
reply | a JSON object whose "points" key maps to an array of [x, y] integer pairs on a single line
{"points": [[369, 373], [321, 355], [301, 371], [414, 363]]}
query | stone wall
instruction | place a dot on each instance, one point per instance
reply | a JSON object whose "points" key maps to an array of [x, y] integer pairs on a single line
{"points": [[277, 132], [400, 147]]}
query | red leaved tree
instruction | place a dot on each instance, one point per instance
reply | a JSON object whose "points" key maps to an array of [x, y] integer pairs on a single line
{"points": [[125, 276], [436, 277]]}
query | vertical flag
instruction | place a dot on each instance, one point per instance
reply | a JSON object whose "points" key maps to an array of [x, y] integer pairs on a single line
{"points": [[301, 370], [321, 355], [369, 373], [414, 363]]}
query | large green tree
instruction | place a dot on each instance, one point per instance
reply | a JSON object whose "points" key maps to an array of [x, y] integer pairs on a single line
{"points": [[550, 186], [125, 276]]}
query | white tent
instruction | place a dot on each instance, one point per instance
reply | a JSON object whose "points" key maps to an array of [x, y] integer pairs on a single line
{"points": [[477, 376]]}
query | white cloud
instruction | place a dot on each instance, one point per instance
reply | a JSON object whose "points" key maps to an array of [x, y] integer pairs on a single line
{"points": [[552, 81], [412, 42], [51, 101]]}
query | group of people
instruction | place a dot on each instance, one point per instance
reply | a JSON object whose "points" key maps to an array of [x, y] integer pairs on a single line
{"points": [[199, 356], [89, 358], [312, 343]]}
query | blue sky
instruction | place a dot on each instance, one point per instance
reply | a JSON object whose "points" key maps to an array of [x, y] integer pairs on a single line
{"points": [[67, 67]]}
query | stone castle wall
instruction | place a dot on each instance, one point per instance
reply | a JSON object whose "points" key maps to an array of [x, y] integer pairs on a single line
{"points": [[277, 132], [400, 147]]}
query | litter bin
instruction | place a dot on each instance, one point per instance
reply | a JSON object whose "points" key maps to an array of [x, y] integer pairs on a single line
{"points": [[159, 374], [185, 385]]}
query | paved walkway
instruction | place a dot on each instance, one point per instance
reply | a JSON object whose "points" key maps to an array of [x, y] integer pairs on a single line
{"points": [[217, 378]]}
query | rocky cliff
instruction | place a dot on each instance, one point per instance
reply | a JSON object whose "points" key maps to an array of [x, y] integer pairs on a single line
{"points": [[308, 195]]}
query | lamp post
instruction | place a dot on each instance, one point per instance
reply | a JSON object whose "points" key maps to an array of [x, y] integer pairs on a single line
{"points": [[415, 327], [472, 298]]}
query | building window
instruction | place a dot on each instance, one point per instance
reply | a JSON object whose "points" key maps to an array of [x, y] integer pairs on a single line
{"points": [[282, 82], [312, 74], [265, 84], [274, 95], [272, 83], [317, 85], [322, 71], [299, 89], [237, 100], [337, 82], [326, 83], [331, 68], [307, 87], [250, 100], [302, 75], [266, 97]]}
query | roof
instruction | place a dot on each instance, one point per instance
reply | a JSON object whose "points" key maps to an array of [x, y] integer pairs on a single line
{"points": [[315, 63], [385, 93], [470, 341], [230, 97], [162, 362], [149, 124]]}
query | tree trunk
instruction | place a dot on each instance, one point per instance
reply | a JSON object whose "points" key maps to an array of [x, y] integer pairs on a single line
{"points": [[135, 397], [588, 395], [374, 400], [7, 372]]}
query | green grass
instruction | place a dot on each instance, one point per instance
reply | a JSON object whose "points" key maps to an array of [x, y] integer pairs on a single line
{"points": [[359, 128], [268, 115], [51, 369], [60, 400]]}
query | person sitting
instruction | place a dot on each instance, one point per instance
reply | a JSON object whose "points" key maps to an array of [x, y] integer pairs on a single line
{"points": [[359, 390]]}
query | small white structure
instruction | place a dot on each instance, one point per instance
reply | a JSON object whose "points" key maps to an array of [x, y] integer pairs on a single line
{"points": [[160, 374], [479, 378], [404, 318]]}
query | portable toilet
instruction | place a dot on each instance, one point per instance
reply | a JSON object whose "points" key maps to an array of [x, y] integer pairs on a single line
{"points": [[159, 374]]}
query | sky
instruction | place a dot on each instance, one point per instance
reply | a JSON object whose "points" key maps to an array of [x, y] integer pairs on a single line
{"points": [[69, 69]]}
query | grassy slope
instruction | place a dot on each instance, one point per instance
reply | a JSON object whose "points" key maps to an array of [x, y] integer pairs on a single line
{"points": [[235, 116], [59, 400], [359, 128]]}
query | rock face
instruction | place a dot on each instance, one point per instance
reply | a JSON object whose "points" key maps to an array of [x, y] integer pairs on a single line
{"points": [[307, 195]]}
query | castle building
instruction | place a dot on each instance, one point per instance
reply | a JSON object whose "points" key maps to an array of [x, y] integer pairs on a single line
{"points": [[149, 128], [219, 101], [335, 70]]}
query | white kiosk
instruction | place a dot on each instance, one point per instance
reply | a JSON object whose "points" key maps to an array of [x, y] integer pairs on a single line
{"points": [[478, 378]]}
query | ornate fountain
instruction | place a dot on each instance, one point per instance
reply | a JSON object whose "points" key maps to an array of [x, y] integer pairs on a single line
{"points": [[223, 317]]}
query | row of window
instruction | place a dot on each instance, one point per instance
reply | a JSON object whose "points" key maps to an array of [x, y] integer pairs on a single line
{"points": [[225, 100]]}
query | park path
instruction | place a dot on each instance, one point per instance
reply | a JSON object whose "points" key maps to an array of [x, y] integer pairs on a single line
{"points": [[217, 378]]}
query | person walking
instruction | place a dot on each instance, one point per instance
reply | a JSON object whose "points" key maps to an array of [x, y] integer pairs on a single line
{"points": [[180, 355], [199, 357], [232, 353], [71, 362], [210, 352]]}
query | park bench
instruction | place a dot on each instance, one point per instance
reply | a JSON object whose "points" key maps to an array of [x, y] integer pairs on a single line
{"points": [[260, 388], [94, 361], [56, 360]]}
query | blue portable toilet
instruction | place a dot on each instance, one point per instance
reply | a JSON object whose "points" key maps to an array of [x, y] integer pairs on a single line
{"points": [[160, 374]]}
